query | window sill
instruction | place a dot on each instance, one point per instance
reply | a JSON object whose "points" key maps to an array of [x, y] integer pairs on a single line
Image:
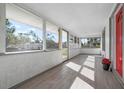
{"points": [[20, 52], [91, 47], [27, 52], [50, 50]]}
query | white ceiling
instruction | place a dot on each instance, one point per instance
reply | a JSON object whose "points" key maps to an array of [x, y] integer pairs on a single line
{"points": [[82, 19]]}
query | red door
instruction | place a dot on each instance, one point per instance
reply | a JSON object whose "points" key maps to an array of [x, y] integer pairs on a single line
{"points": [[119, 42]]}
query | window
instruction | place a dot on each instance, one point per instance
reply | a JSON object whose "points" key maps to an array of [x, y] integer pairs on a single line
{"points": [[75, 39], [64, 39], [23, 30], [90, 42], [52, 36], [71, 40], [103, 40], [78, 40]]}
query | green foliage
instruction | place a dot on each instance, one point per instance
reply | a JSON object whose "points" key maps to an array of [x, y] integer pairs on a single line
{"points": [[35, 37], [51, 44], [22, 39], [11, 38], [91, 43]]}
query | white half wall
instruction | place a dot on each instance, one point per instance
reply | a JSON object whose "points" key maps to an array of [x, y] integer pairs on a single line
{"points": [[74, 52], [90, 51], [15, 68]]}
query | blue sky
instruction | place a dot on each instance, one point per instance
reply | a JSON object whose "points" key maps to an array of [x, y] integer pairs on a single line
{"points": [[24, 28], [84, 41], [64, 36]]}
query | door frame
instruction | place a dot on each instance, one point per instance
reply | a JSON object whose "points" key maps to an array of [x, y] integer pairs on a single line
{"points": [[113, 17], [119, 63], [67, 43]]}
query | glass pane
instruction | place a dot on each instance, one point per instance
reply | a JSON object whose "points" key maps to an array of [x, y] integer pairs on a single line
{"points": [[22, 37], [71, 39], [24, 30], [64, 44], [90, 42], [52, 36], [64, 39]]}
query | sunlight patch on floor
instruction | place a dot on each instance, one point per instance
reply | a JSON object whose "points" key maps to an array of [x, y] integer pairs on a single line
{"points": [[88, 73], [89, 64], [91, 58], [73, 66], [80, 84]]}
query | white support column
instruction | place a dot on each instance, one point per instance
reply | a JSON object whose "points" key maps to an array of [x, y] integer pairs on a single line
{"points": [[114, 41], [101, 44], [2, 29], [44, 35], [60, 38], [68, 39], [107, 40], [69, 47]]}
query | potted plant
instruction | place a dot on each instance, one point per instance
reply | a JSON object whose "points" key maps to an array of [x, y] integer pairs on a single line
{"points": [[106, 63]]}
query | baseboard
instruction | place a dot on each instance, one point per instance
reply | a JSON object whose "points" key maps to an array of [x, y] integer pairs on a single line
{"points": [[118, 77], [73, 56]]}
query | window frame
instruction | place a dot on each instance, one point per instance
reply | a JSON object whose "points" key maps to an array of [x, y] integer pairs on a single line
{"points": [[25, 51], [90, 47], [67, 38], [58, 29]]}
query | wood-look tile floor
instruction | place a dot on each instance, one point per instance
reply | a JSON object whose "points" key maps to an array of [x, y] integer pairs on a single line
{"points": [[82, 71]]}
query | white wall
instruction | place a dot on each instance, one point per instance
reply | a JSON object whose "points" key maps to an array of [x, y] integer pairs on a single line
{"points": [[74, 49], [90, 51], [73, 52], [107, 40], [17, 68]]}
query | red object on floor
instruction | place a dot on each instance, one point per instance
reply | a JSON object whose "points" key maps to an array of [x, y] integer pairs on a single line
{"points": [[119, 41], [106, 61]]}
